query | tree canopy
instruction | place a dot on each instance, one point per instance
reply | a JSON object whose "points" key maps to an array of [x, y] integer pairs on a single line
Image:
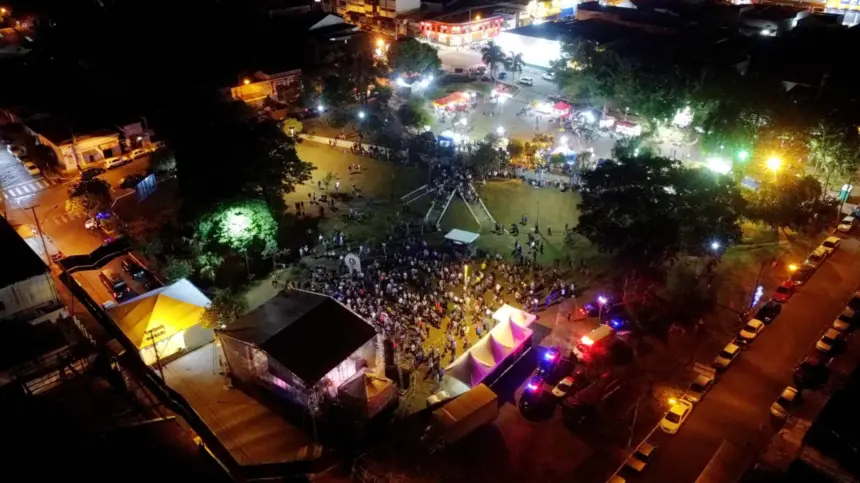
{"points": [[408, 55], [89, 197], [646, 211], [413, 115]]}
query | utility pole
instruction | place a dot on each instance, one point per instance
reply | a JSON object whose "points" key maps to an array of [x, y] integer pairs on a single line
{"points": [[633, 425], [152, 334], [44, 246]]}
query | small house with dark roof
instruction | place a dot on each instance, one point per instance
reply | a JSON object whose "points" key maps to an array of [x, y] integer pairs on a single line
{"points": [[300, 342]]}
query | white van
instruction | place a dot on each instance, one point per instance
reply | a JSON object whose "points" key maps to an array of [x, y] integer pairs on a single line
{"points": [[526, 81]]}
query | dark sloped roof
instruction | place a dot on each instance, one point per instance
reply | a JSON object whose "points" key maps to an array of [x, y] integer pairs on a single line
{"points": [[20, 262], [594, 30], [308, 333]]}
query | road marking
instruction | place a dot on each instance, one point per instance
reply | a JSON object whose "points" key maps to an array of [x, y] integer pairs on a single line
{"points": [[42, 184], [25, 188], [5, 195], [14, 192]]}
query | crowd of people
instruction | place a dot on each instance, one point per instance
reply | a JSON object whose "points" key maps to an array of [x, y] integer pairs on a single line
{"points": [[408, 289]]}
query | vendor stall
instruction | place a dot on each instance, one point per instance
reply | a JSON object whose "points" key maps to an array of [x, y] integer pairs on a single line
{"points": [[453, 100]]}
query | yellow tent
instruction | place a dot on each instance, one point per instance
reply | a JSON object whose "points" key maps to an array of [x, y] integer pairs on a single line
{"points": [[160, 314]]}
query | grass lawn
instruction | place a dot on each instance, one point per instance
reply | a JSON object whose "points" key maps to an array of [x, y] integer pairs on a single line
{"points": [[508, 201], [381, 183]]}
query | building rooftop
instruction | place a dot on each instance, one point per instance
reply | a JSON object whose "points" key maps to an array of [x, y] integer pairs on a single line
{"points": [[594, 30], [308, 333], [20, 261], [465, 15]]}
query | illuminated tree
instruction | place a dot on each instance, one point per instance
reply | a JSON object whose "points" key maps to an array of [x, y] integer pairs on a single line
{"points": [[242, 226], [227, 306], [88, 198], [292, 126]]}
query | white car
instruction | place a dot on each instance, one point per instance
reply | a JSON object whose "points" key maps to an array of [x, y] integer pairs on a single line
{"points": [[785, 400], [750, 331], [842, 325], [526, 81], [827, 342], [847, 224], [117, 161], [563, 387], [31, 168], [548, 76], [829, 245], [139, 152], [676, 416], [699, 387], [726, 356], [816, 258], [641, 457]]}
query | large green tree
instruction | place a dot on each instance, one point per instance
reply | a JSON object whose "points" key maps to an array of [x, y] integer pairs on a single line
{"points": [[645, 211], [514, 64], [789, 202], [413, 115], [407, 55], [88, 197]]}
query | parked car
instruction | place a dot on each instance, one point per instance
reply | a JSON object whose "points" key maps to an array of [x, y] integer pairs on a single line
{"points": [[676, 416], [844, 324], [91, 173], [750, 331], [530, 399], [563, 387], [829, 245], [32, 168], [726, 356], [784, 291], [502, 75], [812, 372], [131, 181], [828, 342], [816, 258], [139, 152], [782, 404], [16, 150], [699, 387], [526, 81], [769, 311], [114, 283], [641, 457], [847, 224], [548, 76], [133, 268], [802, 274], [116, 162]]}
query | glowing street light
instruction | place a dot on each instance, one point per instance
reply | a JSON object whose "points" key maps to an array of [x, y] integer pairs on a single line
{"points": [[743, 155], [361, 114], [792, 267], [238, 224], [500, 131], [246, 81], [564, 140], [601, 301], [3, 11], [715, 245], [320, 108], [672, 401], [380, 43], [773, 163]]}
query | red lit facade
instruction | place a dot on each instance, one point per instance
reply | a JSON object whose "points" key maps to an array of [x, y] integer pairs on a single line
{"points": [[456, 34]]}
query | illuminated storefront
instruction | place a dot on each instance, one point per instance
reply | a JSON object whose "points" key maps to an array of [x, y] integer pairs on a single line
{"points": [[850, 9], [462, 33]]}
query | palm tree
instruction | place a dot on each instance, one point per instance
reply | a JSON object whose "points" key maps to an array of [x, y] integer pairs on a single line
{"points": [[515, 64], [492, 57]]}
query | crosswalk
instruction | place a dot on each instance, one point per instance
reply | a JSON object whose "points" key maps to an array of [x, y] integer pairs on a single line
{"points": [[28, 188], [63, 219]]}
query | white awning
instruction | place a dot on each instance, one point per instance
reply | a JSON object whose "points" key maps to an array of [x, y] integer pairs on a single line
{"points": [[462, 237]]}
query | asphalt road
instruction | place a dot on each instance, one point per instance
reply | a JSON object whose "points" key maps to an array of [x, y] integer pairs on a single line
{"points": [[738, 407]]}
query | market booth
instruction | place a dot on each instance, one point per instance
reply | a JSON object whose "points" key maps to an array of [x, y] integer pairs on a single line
{"points": [[166, 320], [453, 101]]}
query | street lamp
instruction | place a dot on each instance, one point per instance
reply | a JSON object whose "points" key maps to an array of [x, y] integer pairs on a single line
{"points": [[320, 108], [500, 131], [715, 245], [601, 301], [773, 163], [743, 155], [564, 140], [380, 42], [792, 267], [246, 81], [361, 114], [672, 401]]}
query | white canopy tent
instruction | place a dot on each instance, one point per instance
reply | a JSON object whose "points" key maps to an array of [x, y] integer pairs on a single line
{"points": [[461, 237]]}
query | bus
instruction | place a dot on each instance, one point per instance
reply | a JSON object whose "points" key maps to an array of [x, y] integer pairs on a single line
{"points": [[728, 465]]}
